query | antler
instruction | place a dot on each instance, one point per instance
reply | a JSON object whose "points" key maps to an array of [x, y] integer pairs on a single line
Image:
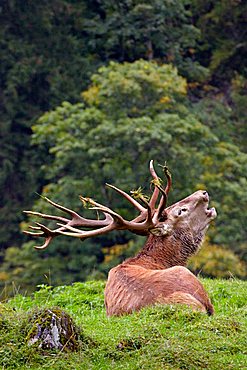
{"points": [[75, 221], [149, 216]]}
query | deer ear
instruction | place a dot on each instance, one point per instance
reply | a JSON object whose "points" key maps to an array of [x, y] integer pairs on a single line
{"points": [[162, 230]]}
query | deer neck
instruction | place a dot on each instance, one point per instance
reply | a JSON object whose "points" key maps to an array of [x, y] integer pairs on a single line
{"points": [[160, 252]]}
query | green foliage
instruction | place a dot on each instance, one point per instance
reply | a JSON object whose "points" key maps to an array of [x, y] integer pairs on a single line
{"points": [[63, 263], [223, 48], [218, 262], [239, 102], [226, 181], [137, 89], [37, 72], [130, 30], [99, 137], [156, 337], [226, 167], [107, 143]]}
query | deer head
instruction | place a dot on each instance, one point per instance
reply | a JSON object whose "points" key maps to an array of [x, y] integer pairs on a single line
{"points": [[179, 234]]}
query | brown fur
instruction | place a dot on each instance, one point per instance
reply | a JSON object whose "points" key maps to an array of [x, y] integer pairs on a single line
{"points": [[131, 287], [157, 273]]}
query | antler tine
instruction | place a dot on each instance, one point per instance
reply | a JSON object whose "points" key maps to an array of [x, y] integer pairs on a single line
{"points": [[45, 232], [161, 206], [121, 223], [137, 205], [164, 192], [106, 210], [157, 188], [169, 179], [33, 233], [38, 232], [62, 208], [76, 220], [76, 233], [48, 239], [145, 213], [44, 215], [155, 194], [107, 219]]}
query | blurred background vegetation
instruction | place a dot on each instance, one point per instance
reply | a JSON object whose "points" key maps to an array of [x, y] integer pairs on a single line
{"points": [[90, 92]]}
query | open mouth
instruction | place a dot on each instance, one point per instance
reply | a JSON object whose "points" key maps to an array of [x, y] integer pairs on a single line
{"points": [[211, 213]]}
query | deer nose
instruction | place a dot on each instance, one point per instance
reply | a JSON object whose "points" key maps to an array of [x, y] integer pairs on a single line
{"points": [[205, 196]]}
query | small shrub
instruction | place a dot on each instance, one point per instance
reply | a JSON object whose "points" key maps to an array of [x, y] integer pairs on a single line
{"points": [[217, 262]]}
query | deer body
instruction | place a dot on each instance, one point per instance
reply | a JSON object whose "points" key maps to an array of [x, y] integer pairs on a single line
{"points": [[157, 274], [131, 287]]}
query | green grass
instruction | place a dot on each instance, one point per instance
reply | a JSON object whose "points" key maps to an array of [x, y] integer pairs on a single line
{"points": [[161, 337]]}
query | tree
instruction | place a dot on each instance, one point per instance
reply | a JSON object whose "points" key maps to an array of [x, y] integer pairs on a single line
{"points": [[224, 46], [128, 30], [111, 136], [133, 112], [37, 72]]}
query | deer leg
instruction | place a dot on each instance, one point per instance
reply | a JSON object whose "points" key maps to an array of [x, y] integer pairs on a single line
{"points": [[182, 298]]}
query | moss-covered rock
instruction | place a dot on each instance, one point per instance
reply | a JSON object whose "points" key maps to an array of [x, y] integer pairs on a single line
{"points": [[53, 329]]}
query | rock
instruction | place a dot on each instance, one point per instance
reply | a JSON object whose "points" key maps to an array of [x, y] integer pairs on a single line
{"points": [[53, 329]]}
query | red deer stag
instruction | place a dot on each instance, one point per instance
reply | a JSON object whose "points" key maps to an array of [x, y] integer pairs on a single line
{"points": [[157, 273]]}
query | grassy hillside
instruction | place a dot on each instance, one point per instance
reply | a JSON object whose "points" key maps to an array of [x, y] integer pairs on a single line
{"points": [[161, 337]]}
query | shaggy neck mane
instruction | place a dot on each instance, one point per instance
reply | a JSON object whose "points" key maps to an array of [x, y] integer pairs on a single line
{"points": [[160, 252]]}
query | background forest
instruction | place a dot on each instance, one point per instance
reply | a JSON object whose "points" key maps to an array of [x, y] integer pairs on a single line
{"points": [[90, 92]]}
